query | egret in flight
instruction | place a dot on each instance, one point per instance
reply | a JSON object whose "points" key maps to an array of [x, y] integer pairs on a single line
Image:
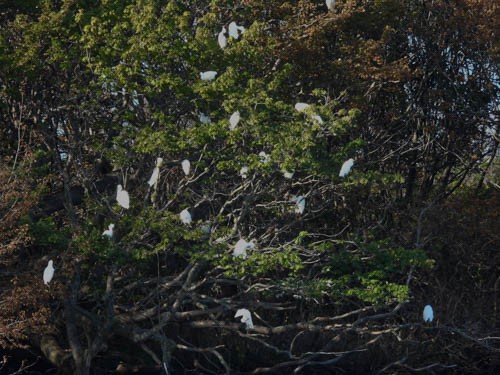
{"points": [[48, 273], [185, 217], [233, 120], [428, 314], [208, 75], [346, 167], [109, 232], [122, 197], [246, 317], [186, 166]]}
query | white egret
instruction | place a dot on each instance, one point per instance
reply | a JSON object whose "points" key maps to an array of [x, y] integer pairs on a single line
{"points": [[204, 119], [156, 172], [240, 249], [330, 4], [428, 314], [208, 75], [264, 158], [122, 197], [109, 232], [222, 38], [346, 167], [48, 273], [318, 119], [301, 107], [288, 175], [246, 317], [300, 203], [186, 166], [234, 119], [244, 172], [185, 217], [234, 30]]}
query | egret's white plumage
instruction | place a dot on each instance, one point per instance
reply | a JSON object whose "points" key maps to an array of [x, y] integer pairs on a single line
{"points": [[221, 38], [240, 249], [318, 119], [234, 119], [346, 167], [288, 175], [300, 203], [208, 75], [264, 158], [428, 314], [301, 107], [109, 232], [185, 217], [234, 30], [48, 273], [244, 172], [122, 197], [186, 166], [246, 317], [330, 4], [204, 119]]}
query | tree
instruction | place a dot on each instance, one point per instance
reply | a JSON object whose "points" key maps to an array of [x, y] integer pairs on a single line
{"points": [[96, 92]]}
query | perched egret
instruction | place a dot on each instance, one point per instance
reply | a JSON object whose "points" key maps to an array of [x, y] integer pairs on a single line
{"points": [[185, 216], [122, 197], [300, 203], [208, 75], [234, 30], [428, 314], [318, 119], [244, 172], [240, 249], [186, 166], [288, 175], [156, 172], [301, 107], [246, 317], [330, 4], [48, 273], [109, 232], [222, 38], [233, 120], [264, 158], [346, 167], [204, 119]]}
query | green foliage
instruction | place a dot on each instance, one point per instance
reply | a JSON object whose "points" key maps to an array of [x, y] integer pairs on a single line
{"points": [[48, 235]]}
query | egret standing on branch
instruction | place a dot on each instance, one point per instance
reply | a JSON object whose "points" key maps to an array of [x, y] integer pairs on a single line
{"points": [[156, 172], [240, 249], [222, 38], [185, 217], [122, 197], [48, 273], [208, 75], [109, 232], [233, 120], [186, 166], [330, 4], [234, 30], [346, 167], [246, 317], [428, 314]]}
